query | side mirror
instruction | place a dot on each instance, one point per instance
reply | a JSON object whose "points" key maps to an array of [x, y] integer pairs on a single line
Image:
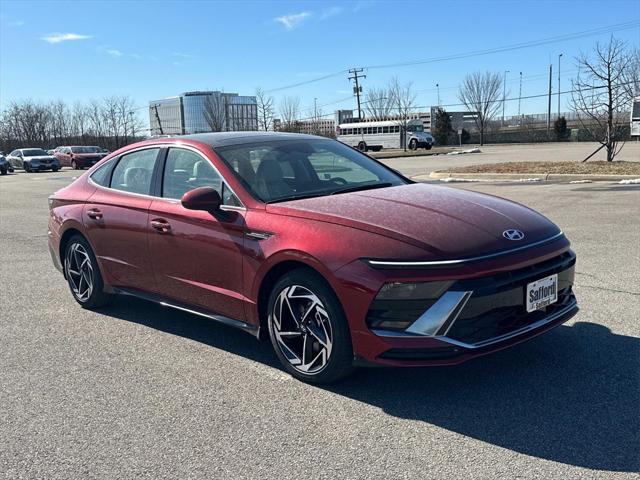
{"points": [[202, 198]]}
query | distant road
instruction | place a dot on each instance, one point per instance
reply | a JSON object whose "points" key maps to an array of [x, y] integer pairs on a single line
{"points": [[511, 153]]}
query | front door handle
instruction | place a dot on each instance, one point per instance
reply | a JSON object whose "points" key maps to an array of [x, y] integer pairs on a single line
{"points": [[94, 213], [161, 225]]}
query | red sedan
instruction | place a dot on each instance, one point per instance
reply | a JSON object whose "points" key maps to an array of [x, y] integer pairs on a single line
{"points": [[338, 259]]}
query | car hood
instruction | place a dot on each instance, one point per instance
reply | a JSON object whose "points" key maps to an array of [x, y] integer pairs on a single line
{"points": [[40, 157], [450, 223]]}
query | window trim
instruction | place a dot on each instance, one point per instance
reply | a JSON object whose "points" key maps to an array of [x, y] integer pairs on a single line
{"points": [[157, 174]]}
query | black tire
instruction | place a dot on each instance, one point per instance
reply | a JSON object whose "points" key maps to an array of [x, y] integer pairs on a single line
{"points": [[328, 320], [3, 171], [413, 144], [96, 297], [54, 169], [362, 146], [74, 165], [26, 167], [428, 147]]}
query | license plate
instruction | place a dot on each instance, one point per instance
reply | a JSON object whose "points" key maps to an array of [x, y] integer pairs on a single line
{"points": [[542, 292]]}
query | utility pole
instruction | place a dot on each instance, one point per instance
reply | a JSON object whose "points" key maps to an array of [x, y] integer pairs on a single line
{"points": [[158, 119], [549, 111], [520, 94], [357, 89], [559, 56], [438, 87], [504, 94]]}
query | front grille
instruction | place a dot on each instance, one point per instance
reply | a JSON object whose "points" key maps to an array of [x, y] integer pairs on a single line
{"points": [[497, 305]]}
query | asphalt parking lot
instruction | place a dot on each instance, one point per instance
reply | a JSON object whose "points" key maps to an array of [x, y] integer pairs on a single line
{"points": [[140, 391]]}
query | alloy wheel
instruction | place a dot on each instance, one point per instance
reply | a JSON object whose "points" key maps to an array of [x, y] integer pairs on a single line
{"points": [[300, 324], [79, 271]]}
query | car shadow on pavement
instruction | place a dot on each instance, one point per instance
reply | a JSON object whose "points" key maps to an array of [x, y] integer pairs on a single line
{"points": [[570, 396]]}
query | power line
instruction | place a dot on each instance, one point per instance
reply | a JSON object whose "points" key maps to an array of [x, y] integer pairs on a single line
{"points": [[475, 53]]}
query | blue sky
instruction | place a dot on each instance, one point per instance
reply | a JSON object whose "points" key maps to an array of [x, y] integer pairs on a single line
{"points": [[154, 49]]}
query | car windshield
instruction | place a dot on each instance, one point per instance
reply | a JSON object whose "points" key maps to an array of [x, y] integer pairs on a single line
{"points": [[276, 171], [415, 128], [33, 152], [85, 149]]}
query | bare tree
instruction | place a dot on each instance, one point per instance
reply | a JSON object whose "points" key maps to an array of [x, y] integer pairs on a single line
{"points": [[481, 94], [215, 111], [379, 104], [403, 102], [601, 94], [290, 113], [265, 110], [111, 122]]}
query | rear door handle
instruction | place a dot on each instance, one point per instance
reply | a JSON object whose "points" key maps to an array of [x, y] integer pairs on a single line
{"points": [[161, 225], [94, 213]]}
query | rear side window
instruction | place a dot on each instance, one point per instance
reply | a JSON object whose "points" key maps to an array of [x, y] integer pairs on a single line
{"points": [[102, 174], [134, 171]]}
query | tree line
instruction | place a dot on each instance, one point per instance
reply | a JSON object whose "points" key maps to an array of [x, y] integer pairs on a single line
{"points": [[111, 122]]}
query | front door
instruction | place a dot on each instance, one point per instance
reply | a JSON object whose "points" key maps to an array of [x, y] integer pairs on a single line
{"points": [[117, 221], [196, 257]]}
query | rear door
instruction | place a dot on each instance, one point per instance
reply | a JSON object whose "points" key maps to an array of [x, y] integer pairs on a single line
{"points": [[196, 257], [117, 220]]}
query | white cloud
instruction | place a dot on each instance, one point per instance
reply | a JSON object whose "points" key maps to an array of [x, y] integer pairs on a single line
{"points": [[330, 12], [114, 52], [64, 37], [293, 20]]}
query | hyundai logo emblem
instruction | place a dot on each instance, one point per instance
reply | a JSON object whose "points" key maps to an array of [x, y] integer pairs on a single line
{"points": [[513, 234]]}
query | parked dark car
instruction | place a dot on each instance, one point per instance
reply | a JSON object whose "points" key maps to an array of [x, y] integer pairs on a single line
{"points": [[33, 160], [79, 157], [335, 257], [5, 166]]}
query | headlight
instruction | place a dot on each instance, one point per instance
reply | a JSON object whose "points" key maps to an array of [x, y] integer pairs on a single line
{"points": [[398, 304]]}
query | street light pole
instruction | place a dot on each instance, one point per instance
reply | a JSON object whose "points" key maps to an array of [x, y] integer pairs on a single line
{"points": [[520, 95], [559, 56], [504, 94], [438, 87]]}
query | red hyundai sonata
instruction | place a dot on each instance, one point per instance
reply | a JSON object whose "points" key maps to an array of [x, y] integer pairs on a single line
{"points": [[338, 259]]}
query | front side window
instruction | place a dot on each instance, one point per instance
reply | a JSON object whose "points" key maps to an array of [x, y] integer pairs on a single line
{"points": [[285, 170], [185, 170], [134, 171]]}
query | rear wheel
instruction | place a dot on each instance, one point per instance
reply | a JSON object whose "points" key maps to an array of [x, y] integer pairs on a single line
{"points": [[83, 275], [308, 329]]}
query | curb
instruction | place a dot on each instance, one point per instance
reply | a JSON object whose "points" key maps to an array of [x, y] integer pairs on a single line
{"points": [[547, 177]]}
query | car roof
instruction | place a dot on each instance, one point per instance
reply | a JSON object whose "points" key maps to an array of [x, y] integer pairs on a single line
{"points": [[223, 139]]}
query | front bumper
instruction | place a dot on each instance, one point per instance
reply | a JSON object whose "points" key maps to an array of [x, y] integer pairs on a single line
{"points": [[475, 317]]}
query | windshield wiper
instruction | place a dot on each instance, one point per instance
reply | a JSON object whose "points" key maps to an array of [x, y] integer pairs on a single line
{"points": [[298, 197], [369, 186]]}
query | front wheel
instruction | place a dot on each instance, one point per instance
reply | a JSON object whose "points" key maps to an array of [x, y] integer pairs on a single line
{"points": [[308, 329], [362, 147], [54, 169], [3, 171], [83, 275], [26, 167], [74, 165], [413, 144], [428, 147]]}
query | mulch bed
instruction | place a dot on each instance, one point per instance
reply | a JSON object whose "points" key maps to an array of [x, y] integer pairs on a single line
{"points": [[597, 168]]}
